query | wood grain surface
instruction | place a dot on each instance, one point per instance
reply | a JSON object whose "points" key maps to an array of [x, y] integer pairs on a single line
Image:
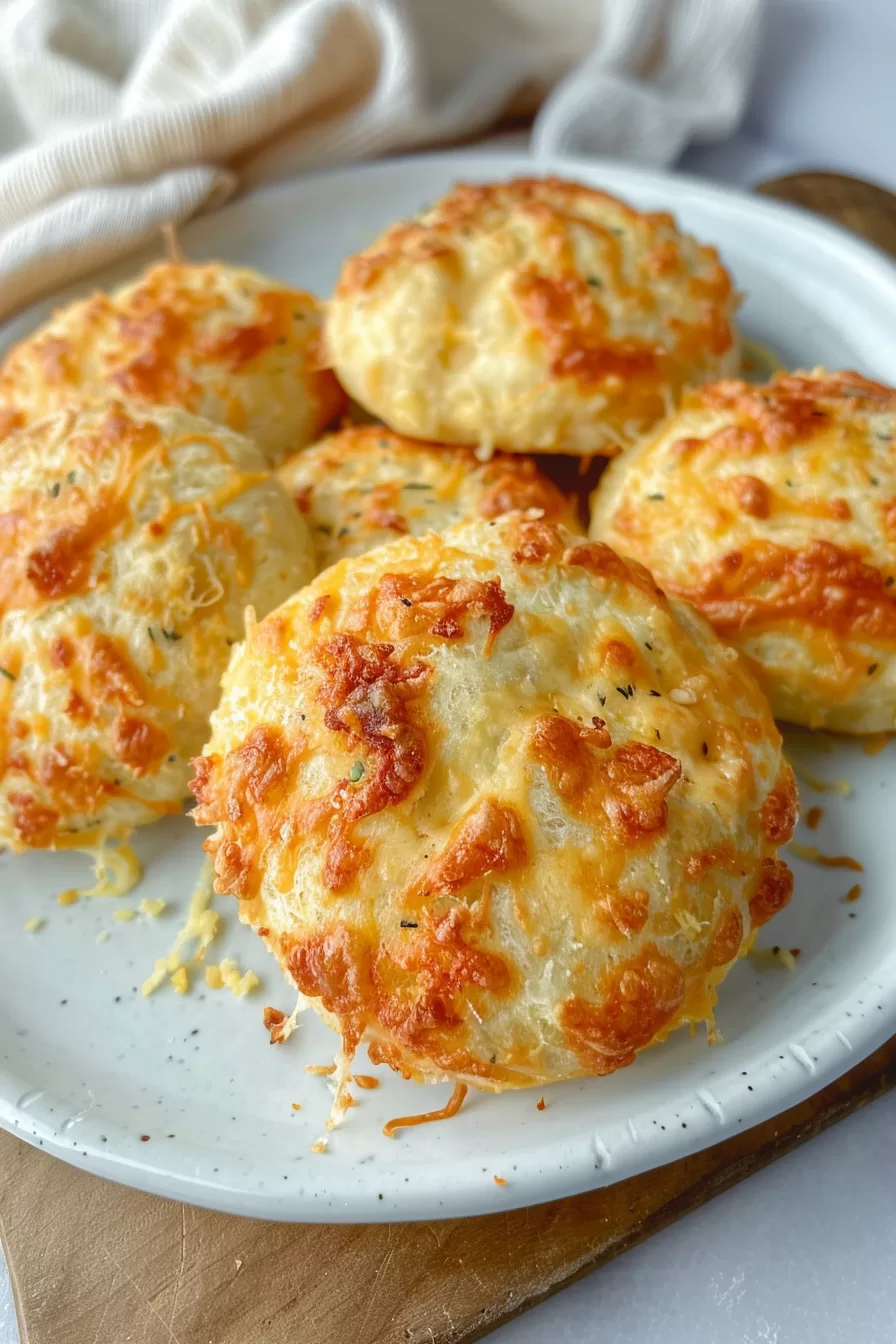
{"points": [[859, 206], [96, 1263]]}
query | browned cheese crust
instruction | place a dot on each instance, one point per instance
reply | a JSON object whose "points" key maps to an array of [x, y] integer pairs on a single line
{"points": [[497, 807], [365, 486], [217, 340], [773, 510], [131, 537], [535, 316]]}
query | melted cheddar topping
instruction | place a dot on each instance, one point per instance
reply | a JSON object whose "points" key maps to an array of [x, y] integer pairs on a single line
{"points": [[769, 509], [215, 340], [130, 539], [498, 809], [367, 485], [531, 315]]}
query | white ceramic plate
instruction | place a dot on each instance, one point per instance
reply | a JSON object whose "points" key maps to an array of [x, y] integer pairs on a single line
{"points": [[88, 1067]]}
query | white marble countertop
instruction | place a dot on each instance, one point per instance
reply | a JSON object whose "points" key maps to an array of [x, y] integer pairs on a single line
{"points": [[801, 1253]]}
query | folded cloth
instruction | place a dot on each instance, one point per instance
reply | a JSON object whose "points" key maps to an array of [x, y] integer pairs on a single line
{"points": [[142, 111]]}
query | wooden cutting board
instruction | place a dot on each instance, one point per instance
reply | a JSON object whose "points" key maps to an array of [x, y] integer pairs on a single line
{"points": [[95, 1263]]}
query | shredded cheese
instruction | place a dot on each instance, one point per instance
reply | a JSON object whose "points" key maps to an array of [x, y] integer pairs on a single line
{"points": [[874, 744], [342, 1098], [446, 1112], [239, 984], [812, 854], [152, 906], [766, 958], [282, 1031], [124, 914], [117, 871], [682, 695], [689, 923], [201, 925], [33, 924]]}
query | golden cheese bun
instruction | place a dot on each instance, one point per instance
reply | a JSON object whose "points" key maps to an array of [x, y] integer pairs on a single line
{"points": [[497, 807], [772, 509], [365, 486], [218, 340], [131, 539], [535, 316]]}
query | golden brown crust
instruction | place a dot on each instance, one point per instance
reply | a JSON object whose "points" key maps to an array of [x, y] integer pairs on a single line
{"points": [[215, 340], [402, 605], [337, 968], [368, 696], [767, 508], [780, 811], [605, 563], [773, 891], [727, 939], [446, 845], [548, 315], [490, 839], [822, 584], [636, 999], [628, 787], [129, 540], [51, 530], [366, 485]]}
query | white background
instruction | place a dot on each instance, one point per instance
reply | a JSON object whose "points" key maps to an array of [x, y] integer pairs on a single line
{"points": [[804, 1252]]}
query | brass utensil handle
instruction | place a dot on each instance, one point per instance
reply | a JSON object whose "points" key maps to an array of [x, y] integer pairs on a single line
{"points": [[861, 206]]}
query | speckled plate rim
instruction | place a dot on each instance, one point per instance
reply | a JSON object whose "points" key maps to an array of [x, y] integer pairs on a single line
{"points": [[782, 1076], [614, 1152]]}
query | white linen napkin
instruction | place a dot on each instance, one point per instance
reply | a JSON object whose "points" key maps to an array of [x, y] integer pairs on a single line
{"points": [[142, 111]]}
